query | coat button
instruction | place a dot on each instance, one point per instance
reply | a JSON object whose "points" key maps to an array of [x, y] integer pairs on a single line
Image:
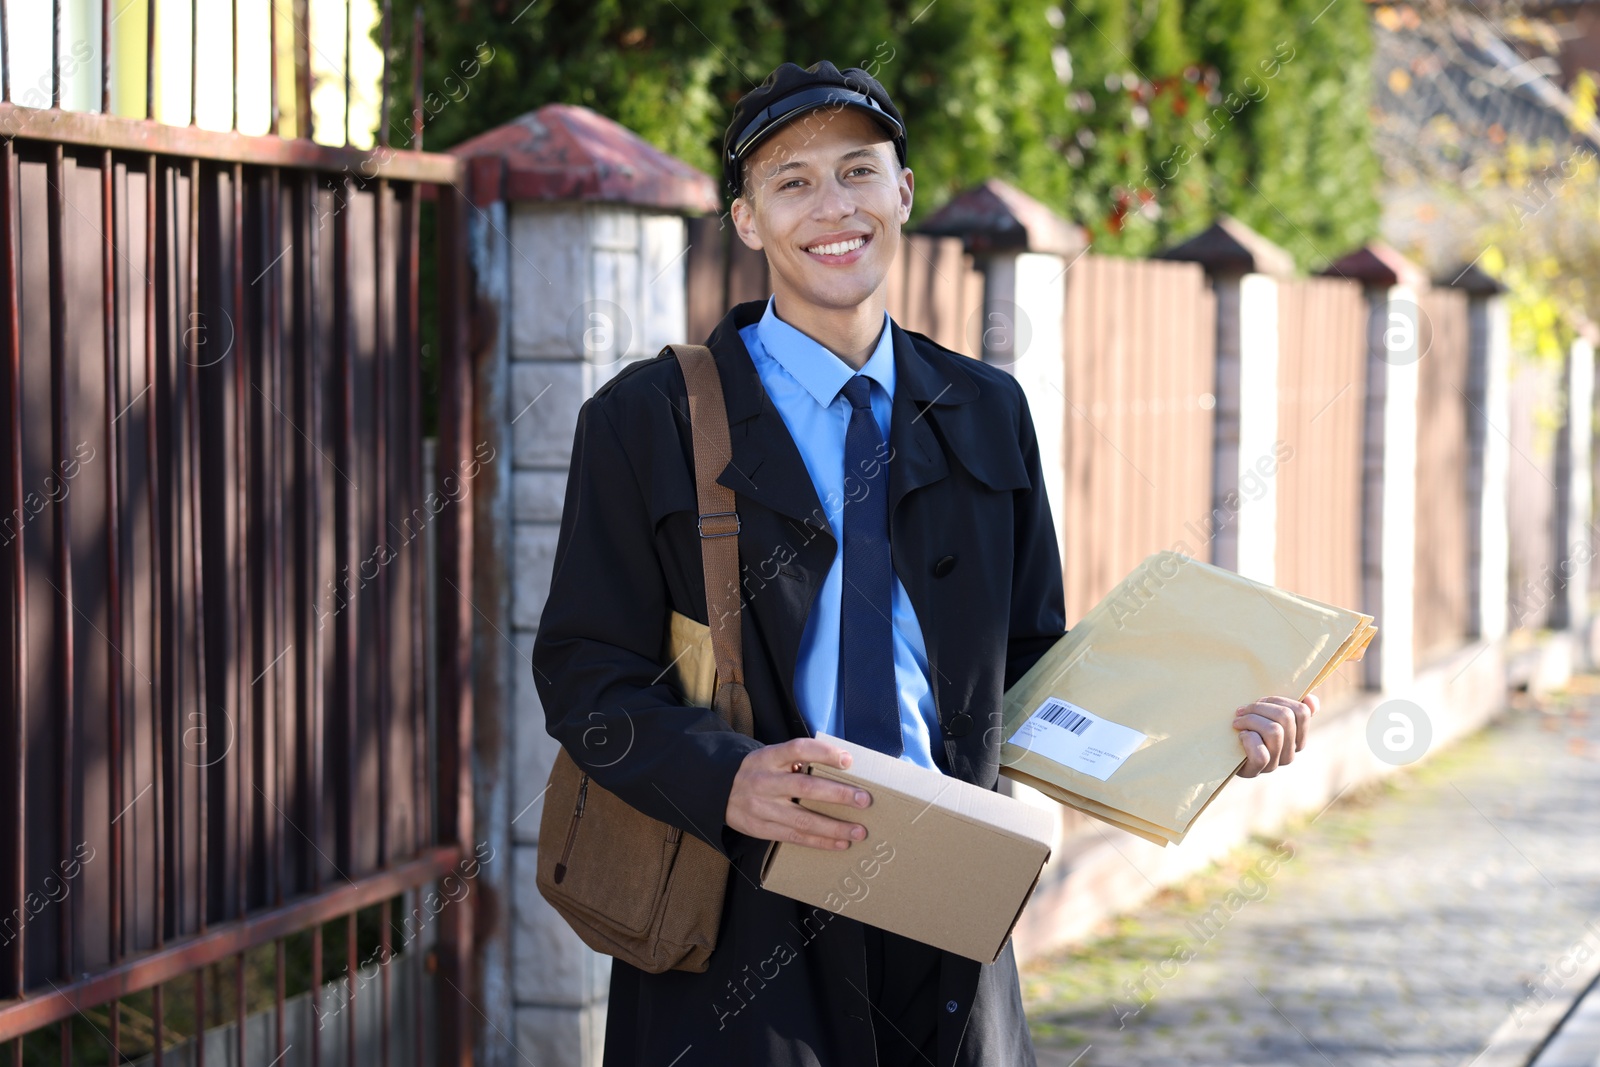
{"points": [[945, 565], [958, 726], [951, 1006]]}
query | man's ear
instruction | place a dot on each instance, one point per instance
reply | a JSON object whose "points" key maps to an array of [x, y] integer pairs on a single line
{"points": [[744, 223], [907, 187]]}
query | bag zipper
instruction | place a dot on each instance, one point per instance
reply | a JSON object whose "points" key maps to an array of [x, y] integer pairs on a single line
{"points": [[572, 830]]}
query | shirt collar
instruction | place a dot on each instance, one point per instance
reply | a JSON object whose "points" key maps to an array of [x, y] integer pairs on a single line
{"points": [[815, 367]]}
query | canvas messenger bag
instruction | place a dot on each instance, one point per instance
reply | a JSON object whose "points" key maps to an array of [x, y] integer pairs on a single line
{"points": [[629, 885]]}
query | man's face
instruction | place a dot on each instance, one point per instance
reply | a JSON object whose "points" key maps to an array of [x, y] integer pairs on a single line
{"points": [[825, 198]]}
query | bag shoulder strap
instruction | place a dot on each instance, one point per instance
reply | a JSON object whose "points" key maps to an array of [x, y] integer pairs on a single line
{"points": [[719, 531]]}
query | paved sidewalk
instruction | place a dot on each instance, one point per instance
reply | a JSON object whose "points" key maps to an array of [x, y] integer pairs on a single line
{"points": [[1402, 926]]}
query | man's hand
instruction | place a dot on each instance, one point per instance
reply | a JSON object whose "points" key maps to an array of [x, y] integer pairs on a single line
{"points": [[762, 801], [1272, 730]]}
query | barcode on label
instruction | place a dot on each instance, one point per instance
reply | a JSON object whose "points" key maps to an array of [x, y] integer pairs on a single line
{"points": [[1064, 717]]}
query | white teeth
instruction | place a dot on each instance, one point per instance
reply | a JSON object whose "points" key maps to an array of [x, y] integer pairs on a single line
{"points": [[839, 248]]}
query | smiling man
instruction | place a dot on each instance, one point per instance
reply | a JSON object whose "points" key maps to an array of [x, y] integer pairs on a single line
{"points": [[900, 571]]}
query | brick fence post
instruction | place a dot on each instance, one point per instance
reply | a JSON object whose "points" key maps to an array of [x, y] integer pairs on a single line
{"points": [[1243, 267], [1389, 496], [1024, 251], [578, 244], [1574, 486]]}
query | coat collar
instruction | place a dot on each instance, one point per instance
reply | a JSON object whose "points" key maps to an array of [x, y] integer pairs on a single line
{"points": [[766, 466]]}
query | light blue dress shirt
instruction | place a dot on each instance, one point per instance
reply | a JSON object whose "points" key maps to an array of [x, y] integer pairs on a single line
{"points": [[805, 380]]}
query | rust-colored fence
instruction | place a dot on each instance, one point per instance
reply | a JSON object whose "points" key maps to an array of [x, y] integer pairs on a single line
{"points": [[1322, 372], [1441, 614], [214, 730], [933, 287], [1140, 352]]}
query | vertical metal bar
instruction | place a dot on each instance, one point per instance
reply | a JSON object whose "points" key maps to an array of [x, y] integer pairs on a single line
{"points": [[278, 768], [272, 67], [383, 107], [317, 708], [152, 477], [17, 890], [243, 630], [114, 667], [55, 53], [381, 305], [420, 799], [66, 1043], [105, 59], [153, 487], [345, 521], [383, 335], [66, 658], [196, 561], [348, 6], [150, 62]]}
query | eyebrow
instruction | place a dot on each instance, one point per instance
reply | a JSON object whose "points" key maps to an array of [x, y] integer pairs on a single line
{"points": [[800, 164]]}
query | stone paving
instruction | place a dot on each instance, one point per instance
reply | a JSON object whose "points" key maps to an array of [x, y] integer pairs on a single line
{"points": [[1399, 927]]}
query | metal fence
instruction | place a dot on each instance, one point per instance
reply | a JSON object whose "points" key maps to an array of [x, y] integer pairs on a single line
{"points": [[215, 731]]}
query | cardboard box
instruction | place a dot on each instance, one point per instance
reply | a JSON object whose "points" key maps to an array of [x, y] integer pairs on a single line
{"points": [[944, 862]]}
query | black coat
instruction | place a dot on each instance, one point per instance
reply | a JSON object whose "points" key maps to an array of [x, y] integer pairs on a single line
{"points": [[973, 544]]}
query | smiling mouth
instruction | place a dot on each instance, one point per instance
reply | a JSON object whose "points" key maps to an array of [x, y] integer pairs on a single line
{"points": [[838, 248]]}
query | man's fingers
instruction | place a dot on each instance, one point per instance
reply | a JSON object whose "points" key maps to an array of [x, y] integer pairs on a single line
{"points": [[1255, 753], [1273, 733], [1289, 715], [1299, 714], [810, 787], [805, 750], [789, 821], [764, 800]]}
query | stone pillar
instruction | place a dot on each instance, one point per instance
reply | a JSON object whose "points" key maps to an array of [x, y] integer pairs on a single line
{"points": [[1025, 251], [580, 269], [1488, 453], [1574, 485], [1389, 504], [1243, 267], [1023, 301]]}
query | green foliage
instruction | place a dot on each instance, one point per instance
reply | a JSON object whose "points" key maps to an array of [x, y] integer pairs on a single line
{"points": [[1141, 120]]}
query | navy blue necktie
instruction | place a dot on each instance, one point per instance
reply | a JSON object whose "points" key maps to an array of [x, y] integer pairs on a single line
{"points": [[869, 705]]}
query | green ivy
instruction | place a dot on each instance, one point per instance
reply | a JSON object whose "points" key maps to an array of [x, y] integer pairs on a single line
{"points": [[1140, 120]]}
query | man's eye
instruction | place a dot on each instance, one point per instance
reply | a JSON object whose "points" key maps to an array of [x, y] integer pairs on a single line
{"points": [[858, 170]]}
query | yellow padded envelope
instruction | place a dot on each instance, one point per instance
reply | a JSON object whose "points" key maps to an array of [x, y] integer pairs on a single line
{"points": [[1169, 654]]}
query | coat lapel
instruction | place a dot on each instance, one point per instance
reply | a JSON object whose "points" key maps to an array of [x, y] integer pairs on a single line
{"points": [[920, 388], [766, 466]]}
